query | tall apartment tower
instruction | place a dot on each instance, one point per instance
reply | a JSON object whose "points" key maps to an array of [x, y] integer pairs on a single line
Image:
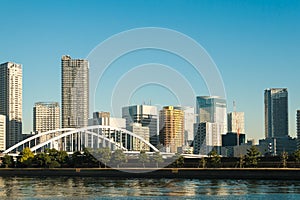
{"points": [[236, 122], [189, 120], [11, 101], [276, 112], [46, 116], [146, 116], [75, 92], [211, 123], [2, 132], [171, 128]]}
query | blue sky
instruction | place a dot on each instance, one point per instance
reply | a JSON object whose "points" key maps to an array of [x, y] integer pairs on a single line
{"points": [[255, 45]]}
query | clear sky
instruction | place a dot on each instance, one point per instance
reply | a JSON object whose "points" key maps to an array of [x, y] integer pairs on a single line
{"points": [[255, 45]]}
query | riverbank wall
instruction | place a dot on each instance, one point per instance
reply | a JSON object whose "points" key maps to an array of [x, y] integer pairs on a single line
{"points": [[187, 173]]}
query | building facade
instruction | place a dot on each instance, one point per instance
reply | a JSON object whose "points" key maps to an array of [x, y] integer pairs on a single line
{"points": [[236, 122], [104, 118], [207, 138], [212, 109], [2, 132], [145, 115], [141, 131], [171, 128], [46, 116], [233, 139], [75, 92], [211, 123], [276, 112], [11, 101], [189, 120]]}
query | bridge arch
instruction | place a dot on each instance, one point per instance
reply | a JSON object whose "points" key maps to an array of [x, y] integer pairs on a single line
{"points": [[88, 137]]}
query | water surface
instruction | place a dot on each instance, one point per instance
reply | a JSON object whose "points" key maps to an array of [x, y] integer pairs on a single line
{"points": [[99, 188]]}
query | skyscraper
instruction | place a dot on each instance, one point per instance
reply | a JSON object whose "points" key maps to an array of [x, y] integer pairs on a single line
{"points": [[75, 92], [211, 123], [189, 120], [11, 101], [2, 132], [146, 116], [207, 137], [46, 116], [171, 128], [276, 112], [236, 122], [212, 109]]}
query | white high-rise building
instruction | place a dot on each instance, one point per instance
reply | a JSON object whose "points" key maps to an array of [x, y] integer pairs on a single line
{"points": [[11, 101], [212, 117], [236, 122], [212, 109], [141, 131], [46, 117], [2, 132], [145, 115], [189, 120], [75, 92], [207, 137], [104, 118]]}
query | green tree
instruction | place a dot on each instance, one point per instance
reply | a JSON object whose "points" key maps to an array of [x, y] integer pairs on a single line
{"points": [[42, 160], [105, 155], [88, 159], [143, 158], [58, 158], [179, 160], [251, 157], [284, 158], [76, 159], [157, 158], [202, 162], [214, 158], [62, 157], [241, 161], [297, 156], [119, 157], [26, 157], [54, 164], [7, 161]]}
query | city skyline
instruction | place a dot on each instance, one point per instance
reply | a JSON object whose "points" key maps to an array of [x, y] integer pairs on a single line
{"points": [[254, 49]]}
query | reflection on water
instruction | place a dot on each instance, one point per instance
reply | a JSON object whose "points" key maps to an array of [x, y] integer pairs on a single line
{"points": [[99, 188]]}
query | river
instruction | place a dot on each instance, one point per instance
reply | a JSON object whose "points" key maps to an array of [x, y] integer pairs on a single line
{"points": [[99, 188]]}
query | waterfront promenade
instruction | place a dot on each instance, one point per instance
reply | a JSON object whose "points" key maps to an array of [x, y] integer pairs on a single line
{"points": [[187, 173]]}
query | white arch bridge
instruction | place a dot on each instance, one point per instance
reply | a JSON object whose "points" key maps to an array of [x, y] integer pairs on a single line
{"points": [[71, 140]]}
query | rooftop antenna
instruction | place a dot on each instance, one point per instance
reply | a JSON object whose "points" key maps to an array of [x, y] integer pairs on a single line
{"points": [[234, 106]]}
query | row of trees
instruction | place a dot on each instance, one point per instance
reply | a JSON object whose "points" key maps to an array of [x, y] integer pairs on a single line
{"points": [[53, 158], [251, 159], [103, 157], [117, 158]]}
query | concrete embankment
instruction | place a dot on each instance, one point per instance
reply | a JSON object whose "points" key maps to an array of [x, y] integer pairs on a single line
{"points": [[189, 173]]}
